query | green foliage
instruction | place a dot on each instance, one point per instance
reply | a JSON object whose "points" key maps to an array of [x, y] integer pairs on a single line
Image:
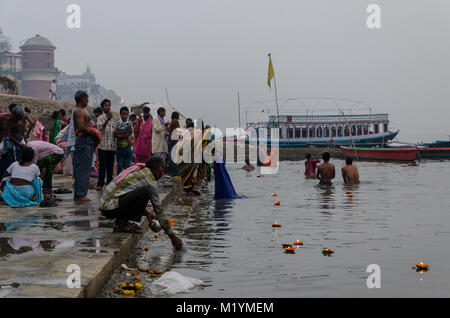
{"points": [[5, 45]]}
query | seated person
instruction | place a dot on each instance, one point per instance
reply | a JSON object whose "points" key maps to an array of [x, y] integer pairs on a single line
{"points": [[248, 166], [350, 172], [25, 187], [126, 197]]}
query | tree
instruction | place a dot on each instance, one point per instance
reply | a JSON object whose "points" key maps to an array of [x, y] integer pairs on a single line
{"points": [[5, 46]]}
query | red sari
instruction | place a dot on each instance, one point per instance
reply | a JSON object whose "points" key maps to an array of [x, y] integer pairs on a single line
{"points": [[143, 145]]}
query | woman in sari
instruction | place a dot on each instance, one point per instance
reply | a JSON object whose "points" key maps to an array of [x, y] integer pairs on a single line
{"points": [[58, 124], [172, 141], [143, 144], [192, 171], [25, 187]]}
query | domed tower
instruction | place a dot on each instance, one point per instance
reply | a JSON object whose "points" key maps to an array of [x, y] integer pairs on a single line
{"points": [[38, 67]]}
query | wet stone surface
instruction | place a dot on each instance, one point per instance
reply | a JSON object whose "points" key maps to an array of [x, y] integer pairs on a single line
{"points": [[38, 244]]}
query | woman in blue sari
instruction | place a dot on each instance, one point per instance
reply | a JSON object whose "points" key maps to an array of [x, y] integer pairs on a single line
{"points": [[223, 186], [25, 187]]}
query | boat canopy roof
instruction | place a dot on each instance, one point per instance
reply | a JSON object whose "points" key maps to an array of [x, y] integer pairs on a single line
{"points": [[330, 119]]}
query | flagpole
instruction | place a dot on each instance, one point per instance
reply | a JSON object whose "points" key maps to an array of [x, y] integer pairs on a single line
{"points": [[276, 99], [239, 109], [276, 94], [167, 96]]}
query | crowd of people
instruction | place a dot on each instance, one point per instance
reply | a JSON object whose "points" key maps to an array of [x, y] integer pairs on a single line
{"points": [[326, 171], [131, 152]]}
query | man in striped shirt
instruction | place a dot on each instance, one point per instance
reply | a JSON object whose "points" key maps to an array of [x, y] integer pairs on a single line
{"points": [[126, 199]]}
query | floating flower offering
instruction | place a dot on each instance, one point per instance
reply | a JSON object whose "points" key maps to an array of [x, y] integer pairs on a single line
{"points": [[150, 271], [146, 248], [276, 225], [274, 194], [287, 245], [129, 292], [327, 251], [130, 286], [289, 250], [350, 195], [298, 242], [171, 221], [277, 203], [422, 266]]}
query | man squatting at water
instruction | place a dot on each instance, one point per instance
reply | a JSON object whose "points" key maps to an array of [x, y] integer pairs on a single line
{"points": [[127, 196]]}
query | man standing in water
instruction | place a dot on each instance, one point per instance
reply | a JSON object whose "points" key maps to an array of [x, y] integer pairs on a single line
{"points": [[310, 167], [350, 172], [84, 146], [326, 171]]}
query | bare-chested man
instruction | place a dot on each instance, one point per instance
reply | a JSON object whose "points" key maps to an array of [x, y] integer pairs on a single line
{"points": [[350, 172], [326, 171], [84, 146]]}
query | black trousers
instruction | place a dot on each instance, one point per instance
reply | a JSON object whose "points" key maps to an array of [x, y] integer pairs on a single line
{"points": [[106, 166], [131, 206]]}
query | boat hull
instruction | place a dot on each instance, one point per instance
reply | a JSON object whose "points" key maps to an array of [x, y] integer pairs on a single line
{"points": [[358, 141], [380, 154], [435, 153]]}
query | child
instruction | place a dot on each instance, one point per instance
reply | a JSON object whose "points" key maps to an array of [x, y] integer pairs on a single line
{"points": [[123, 134], [25, 187]]}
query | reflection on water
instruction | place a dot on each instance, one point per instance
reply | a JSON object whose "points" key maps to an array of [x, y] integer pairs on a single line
{"points": [[397, 217], [46, 232]]}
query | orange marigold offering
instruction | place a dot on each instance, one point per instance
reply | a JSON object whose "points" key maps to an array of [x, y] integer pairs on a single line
{"points": [[289, 250], [171, 221], [277, 203], [287, 245], [274, 194], [422, 266], [298, 242], [350, 195], [276, 224], [327, 251]]}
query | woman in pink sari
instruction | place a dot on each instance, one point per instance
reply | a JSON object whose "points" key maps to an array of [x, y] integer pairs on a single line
{"points": [[143, 145]]}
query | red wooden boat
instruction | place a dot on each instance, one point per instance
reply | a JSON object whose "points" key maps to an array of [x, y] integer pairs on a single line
{"points": [[382, 154]]}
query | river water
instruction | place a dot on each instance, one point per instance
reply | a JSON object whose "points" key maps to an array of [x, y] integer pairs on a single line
{"points": [[397, 217]]}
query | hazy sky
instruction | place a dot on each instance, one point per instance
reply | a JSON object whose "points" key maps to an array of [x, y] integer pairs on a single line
{"points": [[206, 51]]}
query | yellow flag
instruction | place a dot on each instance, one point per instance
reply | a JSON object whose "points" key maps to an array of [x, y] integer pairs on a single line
{"points": [[271, 71]]}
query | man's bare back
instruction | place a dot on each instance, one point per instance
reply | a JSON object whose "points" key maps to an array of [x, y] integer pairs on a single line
{"points": [[326, 172], [350, 174]]}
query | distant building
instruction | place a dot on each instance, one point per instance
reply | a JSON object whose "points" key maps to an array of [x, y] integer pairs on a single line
{"points": [[67, 85], [12, 64], [38, 67], [34, 68]]}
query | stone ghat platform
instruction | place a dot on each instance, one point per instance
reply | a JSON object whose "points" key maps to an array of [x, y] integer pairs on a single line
{"points": [[38, 245], [41, 109]]}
